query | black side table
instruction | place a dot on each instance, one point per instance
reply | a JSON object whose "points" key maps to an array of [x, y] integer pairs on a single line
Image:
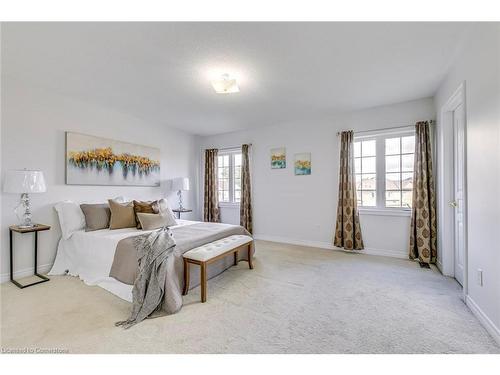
{"points": [[37, 228], [181, 211]]}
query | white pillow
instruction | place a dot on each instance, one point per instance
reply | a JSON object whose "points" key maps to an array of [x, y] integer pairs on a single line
{"points": [[166, 211], [71, 218]]}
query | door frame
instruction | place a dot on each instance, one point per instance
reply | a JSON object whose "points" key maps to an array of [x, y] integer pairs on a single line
{"points": [[446, 190]]}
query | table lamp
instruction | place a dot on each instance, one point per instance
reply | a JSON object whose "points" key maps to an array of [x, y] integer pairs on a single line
{"points": [[180, 184], [25, 182]]}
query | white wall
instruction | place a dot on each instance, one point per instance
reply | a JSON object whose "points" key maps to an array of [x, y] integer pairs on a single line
{"points": [[302, 209], [478, 64], [34, 123]]}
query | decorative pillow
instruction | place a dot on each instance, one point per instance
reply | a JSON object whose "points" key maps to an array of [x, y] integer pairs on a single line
{"points": [[96, 216], [165, 210], [155, 221], [144, 207], [122, 215], [71, 218]]}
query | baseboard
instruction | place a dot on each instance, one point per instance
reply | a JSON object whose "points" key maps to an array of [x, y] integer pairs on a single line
{"points": [[292, 241], [492, 329], [439, 265], [43, 269], [386, 253], [329, 246]]}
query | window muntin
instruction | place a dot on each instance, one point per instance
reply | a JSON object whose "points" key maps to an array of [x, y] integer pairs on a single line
{"points": [[384, 170], [229, 177]]}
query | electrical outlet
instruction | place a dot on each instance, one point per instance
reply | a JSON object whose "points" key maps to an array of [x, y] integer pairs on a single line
{"points": [[480, 277]]}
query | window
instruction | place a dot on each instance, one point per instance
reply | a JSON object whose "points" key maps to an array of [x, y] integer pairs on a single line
{"points": [[399, 171], [365, 158], [384, 170], [229, 176], [223, 177]]}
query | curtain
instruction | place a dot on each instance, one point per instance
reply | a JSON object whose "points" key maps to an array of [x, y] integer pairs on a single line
{"points": [[211, 201], [423, 230], [246, 194], [348, 229]]}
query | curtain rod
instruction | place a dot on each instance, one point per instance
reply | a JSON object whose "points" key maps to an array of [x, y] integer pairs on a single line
{"points": [[390, 128]]}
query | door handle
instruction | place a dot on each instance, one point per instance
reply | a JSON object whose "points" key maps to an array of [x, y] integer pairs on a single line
{"points": [[453, 204]]}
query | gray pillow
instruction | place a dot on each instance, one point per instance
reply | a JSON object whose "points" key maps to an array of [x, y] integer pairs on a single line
{"points": [[155, 221], [96, 216]]}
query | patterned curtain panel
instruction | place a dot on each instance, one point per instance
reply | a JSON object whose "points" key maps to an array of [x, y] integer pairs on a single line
{"points": [[348, 230], [211, 202], [423, 230], [246, 194]]}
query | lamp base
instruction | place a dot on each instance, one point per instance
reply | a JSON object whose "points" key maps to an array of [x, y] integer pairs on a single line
{"points": [[23, 212], [179, 194]]}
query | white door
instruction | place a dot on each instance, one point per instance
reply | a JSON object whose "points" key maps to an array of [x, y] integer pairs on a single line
{"points": [[459, 189]]}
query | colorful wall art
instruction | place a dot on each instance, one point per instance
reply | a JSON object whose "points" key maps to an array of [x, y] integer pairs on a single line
{"points": [[99, 161], [303, 164], [278, 158]]}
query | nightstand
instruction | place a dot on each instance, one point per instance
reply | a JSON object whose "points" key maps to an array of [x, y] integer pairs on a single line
{"points": [[181, 211], [36, 228]]}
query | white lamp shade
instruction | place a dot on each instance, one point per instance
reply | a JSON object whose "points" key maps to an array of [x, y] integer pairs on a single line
{"points": [[24, 181], [181, 183]]}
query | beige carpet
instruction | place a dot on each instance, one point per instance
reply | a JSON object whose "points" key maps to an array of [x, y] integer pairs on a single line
{"points": [[296, 300]]}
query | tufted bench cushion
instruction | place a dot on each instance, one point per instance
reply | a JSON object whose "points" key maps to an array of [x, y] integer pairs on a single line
{"points": [[216, 248], [206, 254]]}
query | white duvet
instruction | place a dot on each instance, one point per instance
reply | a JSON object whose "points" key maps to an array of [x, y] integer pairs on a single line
{"points": [[89, 255]]}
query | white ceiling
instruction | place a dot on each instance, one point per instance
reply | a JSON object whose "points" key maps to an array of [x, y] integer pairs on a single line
{"points": [[286, 71]]}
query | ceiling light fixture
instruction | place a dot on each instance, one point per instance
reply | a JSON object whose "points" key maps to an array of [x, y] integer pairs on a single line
{"points": [[225, 85]]}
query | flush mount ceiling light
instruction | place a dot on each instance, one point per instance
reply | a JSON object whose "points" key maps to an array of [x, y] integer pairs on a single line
{"points": [[225, 85]]}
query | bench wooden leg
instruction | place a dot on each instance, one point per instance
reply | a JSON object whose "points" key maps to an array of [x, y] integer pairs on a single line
{"points": [[203, 281], [250, 247], [186, 278], [235, 255]]}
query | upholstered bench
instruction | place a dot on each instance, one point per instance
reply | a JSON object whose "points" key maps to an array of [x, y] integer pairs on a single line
{"points": [[211, 252]]}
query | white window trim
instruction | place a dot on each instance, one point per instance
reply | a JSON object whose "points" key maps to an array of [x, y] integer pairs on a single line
{"points": [[380, 136], [231, 152], [388, 211], [229, 204]]}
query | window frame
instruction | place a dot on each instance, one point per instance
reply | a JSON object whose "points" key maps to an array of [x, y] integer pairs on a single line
{"points": [[380, 137], [231, 153], [376, 173]]}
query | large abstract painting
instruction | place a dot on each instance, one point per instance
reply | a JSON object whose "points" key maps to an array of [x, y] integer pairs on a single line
{"points": [[99, 161]]}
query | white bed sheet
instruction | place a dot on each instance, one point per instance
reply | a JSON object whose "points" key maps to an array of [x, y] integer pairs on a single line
{"points": [[89, 255]]}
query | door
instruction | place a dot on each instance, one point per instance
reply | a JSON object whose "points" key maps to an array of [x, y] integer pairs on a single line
{"points": [[459, 191]]}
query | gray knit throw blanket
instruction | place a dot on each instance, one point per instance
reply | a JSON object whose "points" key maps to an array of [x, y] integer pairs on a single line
{"points": [[153, 250]]}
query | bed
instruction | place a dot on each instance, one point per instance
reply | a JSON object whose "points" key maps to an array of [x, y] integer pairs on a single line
{"points": [[95, 257]]}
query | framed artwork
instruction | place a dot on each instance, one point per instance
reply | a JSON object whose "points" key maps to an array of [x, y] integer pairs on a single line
{"points": [[99, 161], [278, 158], [302, 164]]}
